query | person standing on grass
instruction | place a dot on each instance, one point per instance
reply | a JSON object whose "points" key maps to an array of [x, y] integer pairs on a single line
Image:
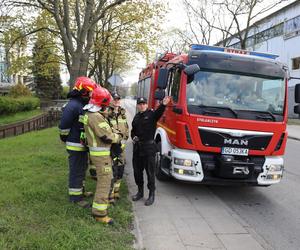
{"points": [[119, 122], [100, 136], [71, 131]]}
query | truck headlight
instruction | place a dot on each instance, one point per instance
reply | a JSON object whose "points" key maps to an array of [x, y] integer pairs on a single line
{"points": [[183, 162], [275, 168]]}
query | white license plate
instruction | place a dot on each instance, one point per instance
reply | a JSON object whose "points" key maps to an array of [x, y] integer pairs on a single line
{"points": [[235, 151]]}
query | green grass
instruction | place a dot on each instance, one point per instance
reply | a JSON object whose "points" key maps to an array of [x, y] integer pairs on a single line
{"points": [[294, 122], [19, 116], [34, 208]]}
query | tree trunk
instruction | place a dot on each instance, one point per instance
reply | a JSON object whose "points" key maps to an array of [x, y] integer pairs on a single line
{"points": [[79, 67]]}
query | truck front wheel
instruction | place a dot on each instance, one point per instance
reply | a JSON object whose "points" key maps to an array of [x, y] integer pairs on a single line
{"points": [[161, 162]]}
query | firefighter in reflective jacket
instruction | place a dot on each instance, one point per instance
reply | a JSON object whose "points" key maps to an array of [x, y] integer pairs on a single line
{"points": [[119, 122], [70, 132], [100, 136]]}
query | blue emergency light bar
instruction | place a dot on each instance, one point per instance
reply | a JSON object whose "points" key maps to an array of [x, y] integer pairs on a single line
{"points": [[232, 51]]}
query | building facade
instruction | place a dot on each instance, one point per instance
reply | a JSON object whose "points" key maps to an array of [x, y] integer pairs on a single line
{"points": [[278, 33]]}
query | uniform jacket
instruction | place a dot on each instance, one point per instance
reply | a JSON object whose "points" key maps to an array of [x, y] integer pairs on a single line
{"points": [[70, 128], [119, 122], [99, 133], [144, 123]]}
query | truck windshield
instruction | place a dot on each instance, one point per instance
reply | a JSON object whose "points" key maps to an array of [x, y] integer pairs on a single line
{"points": [[237, 93]]}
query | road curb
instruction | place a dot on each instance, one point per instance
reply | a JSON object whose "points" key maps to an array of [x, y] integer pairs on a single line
{"points": [[294, 138]]}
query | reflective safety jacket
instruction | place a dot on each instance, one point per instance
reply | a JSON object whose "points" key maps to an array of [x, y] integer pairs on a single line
{"points": [[119, 122], [99, 133], [70, 128]]}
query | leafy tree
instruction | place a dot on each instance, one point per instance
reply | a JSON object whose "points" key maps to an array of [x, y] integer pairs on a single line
{"points": [[46, 63], [131, 28]]}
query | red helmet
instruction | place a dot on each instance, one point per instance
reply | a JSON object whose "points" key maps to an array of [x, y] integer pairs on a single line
{"points": [[85, 83], [100, 97]]}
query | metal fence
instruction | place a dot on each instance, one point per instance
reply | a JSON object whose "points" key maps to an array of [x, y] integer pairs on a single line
{"points": [[45, 120]]}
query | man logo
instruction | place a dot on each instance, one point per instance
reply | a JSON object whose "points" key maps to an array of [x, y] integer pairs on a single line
{"points": [[236, 142]]}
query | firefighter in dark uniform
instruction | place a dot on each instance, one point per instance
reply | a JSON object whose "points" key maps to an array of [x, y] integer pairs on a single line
{"points": [[144, 147], [70, 132]]}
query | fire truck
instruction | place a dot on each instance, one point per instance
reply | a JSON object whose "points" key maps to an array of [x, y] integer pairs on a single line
{"points": [[226, 122]]}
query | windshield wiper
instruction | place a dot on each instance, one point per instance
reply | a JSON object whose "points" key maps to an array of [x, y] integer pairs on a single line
{"points": [[266, 117], [220, 107]]}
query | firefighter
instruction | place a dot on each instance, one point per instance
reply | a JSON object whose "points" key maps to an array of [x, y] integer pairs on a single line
{"points": [[100, 136], [70, 132], [144, 148], [119, 122]]}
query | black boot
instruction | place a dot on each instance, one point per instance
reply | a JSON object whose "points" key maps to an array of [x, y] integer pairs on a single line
{"points": [[139, 195], [150, 200]]}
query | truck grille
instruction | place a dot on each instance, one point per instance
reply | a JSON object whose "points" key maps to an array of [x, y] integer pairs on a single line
{"points": [[222, 138]]}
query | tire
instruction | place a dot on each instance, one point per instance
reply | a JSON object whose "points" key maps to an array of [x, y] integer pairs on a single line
{"points": [[160, 175]]}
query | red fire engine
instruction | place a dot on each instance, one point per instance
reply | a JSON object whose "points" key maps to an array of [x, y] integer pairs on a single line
{"points": [[226, 122]]}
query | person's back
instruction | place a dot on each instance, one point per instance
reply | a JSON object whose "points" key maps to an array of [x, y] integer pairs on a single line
{"points": [[70, 133]]}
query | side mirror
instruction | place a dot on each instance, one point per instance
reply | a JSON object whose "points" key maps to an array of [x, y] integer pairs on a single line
{"points": [[297, 93], [297, 109], [159, 94], [162, 78], [191, 69]]}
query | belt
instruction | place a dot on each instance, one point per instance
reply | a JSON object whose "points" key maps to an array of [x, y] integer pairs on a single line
{"points": [[146, 142]]}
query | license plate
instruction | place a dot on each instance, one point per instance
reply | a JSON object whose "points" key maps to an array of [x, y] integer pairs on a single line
{"points": [[235, 151]]}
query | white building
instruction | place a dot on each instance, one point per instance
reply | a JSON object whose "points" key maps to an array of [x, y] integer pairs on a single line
{"points": [[278, 33]]}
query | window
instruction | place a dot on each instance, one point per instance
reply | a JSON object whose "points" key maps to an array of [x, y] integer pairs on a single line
{"points": [[174, 83], [144, 87], [296, 63], [140, 88], [147, 85], [291, 27]]}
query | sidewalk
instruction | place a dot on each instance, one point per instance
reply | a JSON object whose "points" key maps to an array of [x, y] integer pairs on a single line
{"points": [[293, 132], [186, 216]]}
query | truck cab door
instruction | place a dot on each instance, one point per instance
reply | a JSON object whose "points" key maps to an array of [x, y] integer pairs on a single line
{"points": [[172, 111]]}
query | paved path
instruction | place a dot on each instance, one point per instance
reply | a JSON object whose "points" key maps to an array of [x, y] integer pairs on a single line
{"points": [[186, 216]]}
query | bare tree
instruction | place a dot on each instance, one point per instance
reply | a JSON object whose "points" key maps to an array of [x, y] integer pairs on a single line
{"points": [[244, 13], [76, 22], [227, 19]]}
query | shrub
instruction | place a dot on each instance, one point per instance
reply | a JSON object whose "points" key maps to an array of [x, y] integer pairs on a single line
{"points": [[19, 90], [9, 105], [65, 92]]}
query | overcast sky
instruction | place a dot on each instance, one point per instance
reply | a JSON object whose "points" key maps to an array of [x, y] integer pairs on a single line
{"points": [[176, 17]]}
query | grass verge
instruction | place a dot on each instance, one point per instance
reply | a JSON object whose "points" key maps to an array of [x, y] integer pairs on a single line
{"points": [[293, 121], [34, 208], [12, 118]]}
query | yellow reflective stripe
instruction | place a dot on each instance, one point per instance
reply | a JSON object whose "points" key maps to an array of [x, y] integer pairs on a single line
{"points": [[99, 153], [100, 207], [64, 131], [122, 121], [117, 185], [74, 148], [107, 169], [113, 122], [123, 146], [75, 191], [94, 143], [84, 119], [103, 125]]}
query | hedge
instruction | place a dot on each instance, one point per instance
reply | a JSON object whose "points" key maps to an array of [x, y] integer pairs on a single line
{"points": [[9, 105]]}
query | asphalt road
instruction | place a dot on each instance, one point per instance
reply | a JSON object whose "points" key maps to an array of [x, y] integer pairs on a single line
{"points": [[272, 213]]}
